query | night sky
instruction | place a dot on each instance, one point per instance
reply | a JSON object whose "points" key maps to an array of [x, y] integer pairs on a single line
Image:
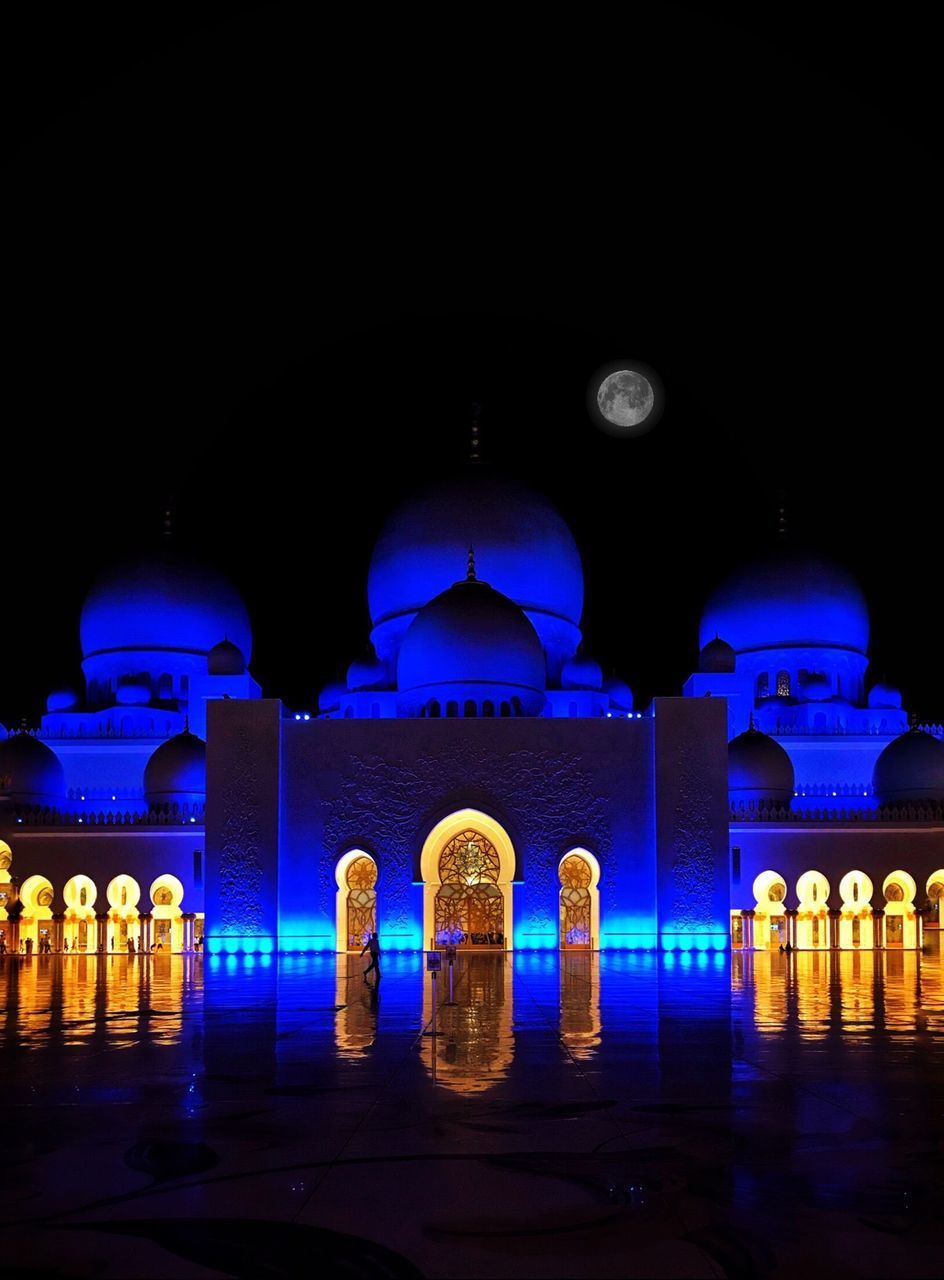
{"points": [[260, 266]]}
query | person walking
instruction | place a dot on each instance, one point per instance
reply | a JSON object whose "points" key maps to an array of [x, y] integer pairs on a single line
{"points": [[373, 946]]}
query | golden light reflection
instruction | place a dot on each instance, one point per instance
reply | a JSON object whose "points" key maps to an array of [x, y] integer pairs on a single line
{"points": [[477, 1044], [580, 1003]]}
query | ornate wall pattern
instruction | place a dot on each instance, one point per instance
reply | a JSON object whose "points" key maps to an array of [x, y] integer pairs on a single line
{"points": [[693, 862], [549, 798], [240, 851]]}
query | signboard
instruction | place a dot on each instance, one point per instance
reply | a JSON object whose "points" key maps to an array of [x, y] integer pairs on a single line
{"points": [[433, 961]]}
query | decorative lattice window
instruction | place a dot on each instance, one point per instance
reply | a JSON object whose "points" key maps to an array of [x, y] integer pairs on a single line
{"points": [[783, 684], [470, 908], [361, 878], [575, 877]]}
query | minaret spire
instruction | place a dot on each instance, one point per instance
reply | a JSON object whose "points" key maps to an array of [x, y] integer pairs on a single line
{"points": [[474, 443]]}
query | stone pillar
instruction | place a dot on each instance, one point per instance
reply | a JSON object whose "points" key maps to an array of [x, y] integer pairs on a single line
{"points": [[145, 935], [101, 932], [58, 930], [834, 917], [748, 918], [188, 917], [13, 935], [791, 914], [878, 928], [919, 925]]}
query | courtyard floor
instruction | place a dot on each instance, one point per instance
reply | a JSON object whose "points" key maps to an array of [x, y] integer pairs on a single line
{"points": [[587, 1116]]}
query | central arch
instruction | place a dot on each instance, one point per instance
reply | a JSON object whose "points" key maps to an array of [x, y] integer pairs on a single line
{"points": [[500, 878]]}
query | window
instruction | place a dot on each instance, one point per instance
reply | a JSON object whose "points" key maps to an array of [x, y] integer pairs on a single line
{"points": [[783, 684], [763, 685]]}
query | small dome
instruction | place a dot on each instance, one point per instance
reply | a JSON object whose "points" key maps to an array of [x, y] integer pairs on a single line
{"points": [[717, 658], [226, 659], [788, 600], [759, 769], [910, 770], [369, 674], [133, 695], [817, 689], [30, 772], [581, 672], [621, 696], [176, 771], [472, 642], [62, 700], [882, 696]]}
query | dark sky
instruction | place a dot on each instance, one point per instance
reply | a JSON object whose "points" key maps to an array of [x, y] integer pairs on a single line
{"points": [[261, 263]]}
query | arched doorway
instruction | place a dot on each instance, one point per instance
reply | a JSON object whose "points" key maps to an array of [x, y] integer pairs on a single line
{"points": [[124, 924], [36, 894], [356, 913], [770, 919], [167, 925], [935, 892], [79, 932], [901, 921], [468, 865], [579, 875], [855, 924], [812, 923]]}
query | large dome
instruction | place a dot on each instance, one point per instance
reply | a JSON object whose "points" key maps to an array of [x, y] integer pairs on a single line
{"points": [[30, 772], [176, 771], [164, 602], [910, 770], [788, 600], [522, 546], [472, 643], [759, 769]]}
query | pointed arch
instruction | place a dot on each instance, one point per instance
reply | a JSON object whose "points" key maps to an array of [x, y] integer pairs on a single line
{"points": [[437, 839]]}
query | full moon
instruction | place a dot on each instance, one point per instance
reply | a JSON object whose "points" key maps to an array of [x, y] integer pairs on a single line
{"points": [[625, 398]]}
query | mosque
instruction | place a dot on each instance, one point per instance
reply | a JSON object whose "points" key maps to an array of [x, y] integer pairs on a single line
{"points": [[476, 781]]}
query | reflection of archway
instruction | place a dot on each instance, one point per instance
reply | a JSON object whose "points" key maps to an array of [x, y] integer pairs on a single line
{"points": [[471, 856], [476, 1044], [579, 875], [356, 909]]}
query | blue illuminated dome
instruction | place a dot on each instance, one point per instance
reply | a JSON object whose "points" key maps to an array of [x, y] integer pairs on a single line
{"points": [[621, 696], [717, 658], [581, 672], [158, 619], [910, 770], [369, 674], [176, 772], [30, 772], [789, 599], [523, 545], [817, 688], [759, 769], [473, 648]]}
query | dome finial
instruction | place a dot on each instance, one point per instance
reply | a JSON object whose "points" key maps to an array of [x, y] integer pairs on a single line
{"points": [[475, 410], [470, 569], [750, 721]]}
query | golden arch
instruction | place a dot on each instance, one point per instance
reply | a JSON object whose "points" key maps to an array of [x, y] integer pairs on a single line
{"points": [[356, 900], [812, 922], [770, 921], [579, 874], [901, 919], [437, 840], [935, 891], [856, 926]]}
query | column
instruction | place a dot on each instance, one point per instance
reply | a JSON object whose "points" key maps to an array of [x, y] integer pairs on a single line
{"points": [[101, 932], [58, 928], [834, 917], [748, 917], [188, 917], [878, 928], [145, 935]]}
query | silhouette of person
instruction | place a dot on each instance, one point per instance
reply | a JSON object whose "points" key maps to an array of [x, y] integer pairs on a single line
{"points": [[373, 946]]}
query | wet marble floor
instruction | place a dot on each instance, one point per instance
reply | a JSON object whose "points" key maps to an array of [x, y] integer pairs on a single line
{"points": [[604, 1116]]}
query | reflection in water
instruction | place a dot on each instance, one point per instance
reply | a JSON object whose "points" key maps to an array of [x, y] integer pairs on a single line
{"points": [[580, 1003], [857, 990], [358, 1004], [477, 1045]]}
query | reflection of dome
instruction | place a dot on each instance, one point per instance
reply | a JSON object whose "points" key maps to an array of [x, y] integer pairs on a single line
{"points": [[910, 770], [788, 599], [882, 696], [30, 772], [522, 546], [176, 772], [620, 693], [367, 675], [716, 658], [581, 672], [165, 602], [226, 659], [472, 642], [759, 769]]}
